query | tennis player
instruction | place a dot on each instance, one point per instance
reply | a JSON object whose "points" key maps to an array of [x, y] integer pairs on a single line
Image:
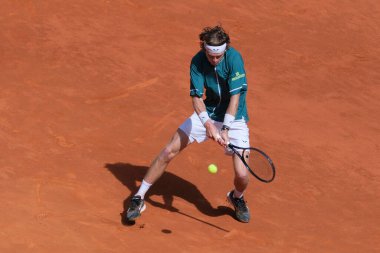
{"points": [[217, 74]]}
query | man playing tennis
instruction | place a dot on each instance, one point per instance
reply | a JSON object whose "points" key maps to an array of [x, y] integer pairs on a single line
{"points": [[216, 72]]}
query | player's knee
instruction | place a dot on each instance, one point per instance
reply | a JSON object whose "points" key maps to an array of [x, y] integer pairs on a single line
{"points": [[242, 178], [167, 154]]}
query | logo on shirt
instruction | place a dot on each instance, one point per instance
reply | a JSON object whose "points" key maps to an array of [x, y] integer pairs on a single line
{"points": [[237, 76]]}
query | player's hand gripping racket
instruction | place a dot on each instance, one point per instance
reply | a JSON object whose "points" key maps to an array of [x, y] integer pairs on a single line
{"points": [[257, 162]]}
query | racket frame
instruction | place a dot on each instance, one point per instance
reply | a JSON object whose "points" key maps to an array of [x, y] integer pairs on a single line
{"points": [[234, 149]]}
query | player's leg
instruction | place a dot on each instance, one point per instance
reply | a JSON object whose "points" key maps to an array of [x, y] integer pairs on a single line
{"points": [[241, 179], [239, 136], [235, 197], [191, 130], [177, 143]]}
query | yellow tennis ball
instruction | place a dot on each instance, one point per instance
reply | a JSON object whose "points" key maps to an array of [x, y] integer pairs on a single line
{"points": [[212, 168]]}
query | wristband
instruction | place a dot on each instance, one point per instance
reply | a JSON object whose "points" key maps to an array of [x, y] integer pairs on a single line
{"points": [[204, 117], [228, 119]]}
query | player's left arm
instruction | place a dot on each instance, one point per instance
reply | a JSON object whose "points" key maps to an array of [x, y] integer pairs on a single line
{"points": [[237, 84], [233, 105]]}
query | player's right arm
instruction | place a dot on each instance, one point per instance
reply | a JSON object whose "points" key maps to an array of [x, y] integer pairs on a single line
{"points": [[200, 109], [196, 92]]}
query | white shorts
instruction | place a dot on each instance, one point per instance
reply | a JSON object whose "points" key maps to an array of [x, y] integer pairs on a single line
{"points": [[194, 129]]}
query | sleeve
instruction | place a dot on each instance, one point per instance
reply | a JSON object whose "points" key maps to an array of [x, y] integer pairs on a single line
{"points": [[237, 79], [196, 79]]}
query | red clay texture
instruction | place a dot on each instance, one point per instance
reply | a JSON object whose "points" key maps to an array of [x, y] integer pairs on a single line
{"points": [[92, 90]]}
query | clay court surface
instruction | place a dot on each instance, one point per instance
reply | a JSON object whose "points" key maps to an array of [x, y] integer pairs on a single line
{"points": [[92, 90]]}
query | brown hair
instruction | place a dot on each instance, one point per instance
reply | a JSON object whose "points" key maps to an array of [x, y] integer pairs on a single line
{"points": [[214, 36]]}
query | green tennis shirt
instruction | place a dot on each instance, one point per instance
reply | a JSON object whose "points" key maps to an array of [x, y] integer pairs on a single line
{"points": [[219, 83]]}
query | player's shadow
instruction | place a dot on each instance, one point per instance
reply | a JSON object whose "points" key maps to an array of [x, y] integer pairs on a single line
{"points": [[168, 186]]}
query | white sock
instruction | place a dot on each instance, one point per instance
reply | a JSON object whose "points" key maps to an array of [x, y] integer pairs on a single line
{"points": [[144, 187], [238, 194]]}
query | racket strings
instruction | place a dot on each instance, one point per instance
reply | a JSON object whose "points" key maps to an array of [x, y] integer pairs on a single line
{"points": [[259, 164]]}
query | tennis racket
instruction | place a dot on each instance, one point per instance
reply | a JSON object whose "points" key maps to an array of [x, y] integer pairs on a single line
{"points": [[256, 161]]}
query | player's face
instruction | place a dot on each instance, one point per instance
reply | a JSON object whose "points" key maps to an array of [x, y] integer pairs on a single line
{"points": [[214, 59]]}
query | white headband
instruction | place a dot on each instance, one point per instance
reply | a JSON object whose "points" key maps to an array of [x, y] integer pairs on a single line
{"points": [[215, 49]]}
